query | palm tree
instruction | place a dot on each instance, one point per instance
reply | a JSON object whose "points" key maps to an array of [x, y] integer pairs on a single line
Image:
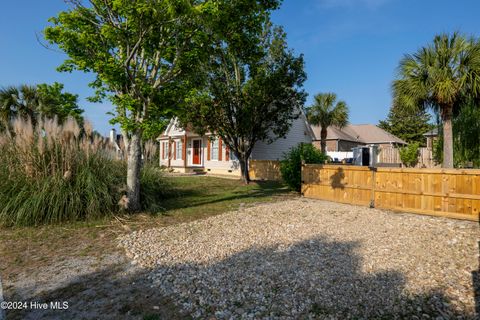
{"points": [[18, 101], [440, 76], [326, 112]]}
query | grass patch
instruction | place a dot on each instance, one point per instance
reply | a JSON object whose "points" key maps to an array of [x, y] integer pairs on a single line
{"points": [[188, 198], [32, 250], [201, 196]]}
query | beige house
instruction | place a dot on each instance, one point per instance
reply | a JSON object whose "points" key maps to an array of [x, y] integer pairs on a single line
{"points": [[186, 151], [353, 135]]}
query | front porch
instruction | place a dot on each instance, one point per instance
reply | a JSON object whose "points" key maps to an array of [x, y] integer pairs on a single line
{"points": [[190, 153]]}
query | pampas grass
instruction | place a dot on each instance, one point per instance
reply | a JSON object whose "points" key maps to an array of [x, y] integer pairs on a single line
{"points": [[52, 173]]}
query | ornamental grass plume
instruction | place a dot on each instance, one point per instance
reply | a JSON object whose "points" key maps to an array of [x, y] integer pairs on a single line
{"points": [[51, 172]]}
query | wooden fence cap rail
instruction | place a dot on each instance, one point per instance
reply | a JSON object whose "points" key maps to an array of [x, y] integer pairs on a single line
{"points": [[430, 170]]}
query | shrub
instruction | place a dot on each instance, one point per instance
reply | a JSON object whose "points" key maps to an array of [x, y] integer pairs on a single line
{"points": [[291, 165], [154, 188], [409, 154], [51, 173]]}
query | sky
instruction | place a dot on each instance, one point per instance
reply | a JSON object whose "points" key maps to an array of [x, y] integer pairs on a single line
{"points": [[351, 47]]}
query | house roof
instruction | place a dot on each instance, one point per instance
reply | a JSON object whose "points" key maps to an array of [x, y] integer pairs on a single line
{"points": [[431, 133], [364, 133], [175, 124]]}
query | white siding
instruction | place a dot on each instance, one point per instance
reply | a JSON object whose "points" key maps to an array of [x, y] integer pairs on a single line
{"points": [[298, 133], [219, 165], [163, 159]]}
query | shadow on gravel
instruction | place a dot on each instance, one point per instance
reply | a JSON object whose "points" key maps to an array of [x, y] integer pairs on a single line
{"points": [[113, 293], [476, 284], [317, 278]]}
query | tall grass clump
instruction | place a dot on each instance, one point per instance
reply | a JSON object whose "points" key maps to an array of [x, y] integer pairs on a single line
{"points": [[52, 173], [154, 189]]}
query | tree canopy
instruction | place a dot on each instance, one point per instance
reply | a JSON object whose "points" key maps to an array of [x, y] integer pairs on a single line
{"points": [[326, 111], [409, 124], [439, 76], [138, 51], [253, 86], [42, 100]]}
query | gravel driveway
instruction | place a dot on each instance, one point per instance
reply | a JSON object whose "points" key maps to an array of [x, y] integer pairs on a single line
{"points": [[312, 259]]}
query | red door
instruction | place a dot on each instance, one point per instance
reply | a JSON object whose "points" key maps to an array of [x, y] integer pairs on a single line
{"points": [[197, 149]]}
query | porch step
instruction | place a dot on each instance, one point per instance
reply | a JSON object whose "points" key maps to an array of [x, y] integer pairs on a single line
{"points": [[199, 171]]}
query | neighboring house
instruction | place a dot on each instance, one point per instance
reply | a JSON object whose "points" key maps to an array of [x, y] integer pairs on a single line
{"points": [[352, 136], [186, 151], [431, 136]]}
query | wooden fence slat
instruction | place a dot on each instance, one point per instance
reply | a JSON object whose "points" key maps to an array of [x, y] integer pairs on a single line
{"points": [[448, 193], [264, 170]]}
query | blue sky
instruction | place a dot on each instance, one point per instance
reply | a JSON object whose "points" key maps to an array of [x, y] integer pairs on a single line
{"points": [[351, 47]]}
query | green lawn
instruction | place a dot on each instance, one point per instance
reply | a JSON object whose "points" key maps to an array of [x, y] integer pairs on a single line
{"points": [[189, 198], [202, 196]]}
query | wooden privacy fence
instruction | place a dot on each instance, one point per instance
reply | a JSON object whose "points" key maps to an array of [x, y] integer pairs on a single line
{"points": [[392, 155], [452, 193], [264, 170]]}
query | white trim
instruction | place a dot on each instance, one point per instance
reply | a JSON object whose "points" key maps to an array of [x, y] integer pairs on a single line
{"points": [[212, 142], [178, 143]]}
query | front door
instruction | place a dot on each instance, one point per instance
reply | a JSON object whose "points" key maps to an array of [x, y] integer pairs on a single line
{"points": [[197, 149]]}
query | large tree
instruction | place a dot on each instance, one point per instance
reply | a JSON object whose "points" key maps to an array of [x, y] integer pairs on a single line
{"points": [[439, 76], [253, 88], [138, 51], [326, 111], [409, 124]]}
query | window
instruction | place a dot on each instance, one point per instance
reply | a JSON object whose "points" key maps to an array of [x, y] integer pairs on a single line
{"points": [[165, 150], [179, 149], [214, 150]]}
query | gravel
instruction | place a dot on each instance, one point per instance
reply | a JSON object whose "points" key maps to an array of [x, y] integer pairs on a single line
{"points": [[309, 259]]}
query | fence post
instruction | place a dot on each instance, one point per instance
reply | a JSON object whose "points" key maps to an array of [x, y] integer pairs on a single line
{"points": [[302, 179], [372, 193]]}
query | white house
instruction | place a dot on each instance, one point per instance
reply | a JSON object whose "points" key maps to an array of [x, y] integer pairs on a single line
{"points": [[185, 151]]}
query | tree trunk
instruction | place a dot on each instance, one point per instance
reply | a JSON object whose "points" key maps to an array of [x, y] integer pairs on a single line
{"points": [[447, 138], [323, 140], [134, 165], [244, 169]]}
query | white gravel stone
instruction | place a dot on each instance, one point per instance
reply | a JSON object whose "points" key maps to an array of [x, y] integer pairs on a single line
{"points": [[313, 259]]}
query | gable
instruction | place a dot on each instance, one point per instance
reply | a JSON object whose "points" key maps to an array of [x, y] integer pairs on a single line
{"points": [[174, 129]]}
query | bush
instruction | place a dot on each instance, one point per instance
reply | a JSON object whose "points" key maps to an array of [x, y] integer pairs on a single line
{"points": [[51, 173], [409, 154], [291, 165], [154, 188]]}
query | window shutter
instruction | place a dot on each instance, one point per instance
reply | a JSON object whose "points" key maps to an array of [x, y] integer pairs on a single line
{"points": [[219, 149], [208, 149], [174, 150], [227, 153], [163, 150], [184, 148]]}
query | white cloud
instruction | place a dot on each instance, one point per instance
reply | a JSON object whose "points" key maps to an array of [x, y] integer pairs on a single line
{"points": [[370, 4]]}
